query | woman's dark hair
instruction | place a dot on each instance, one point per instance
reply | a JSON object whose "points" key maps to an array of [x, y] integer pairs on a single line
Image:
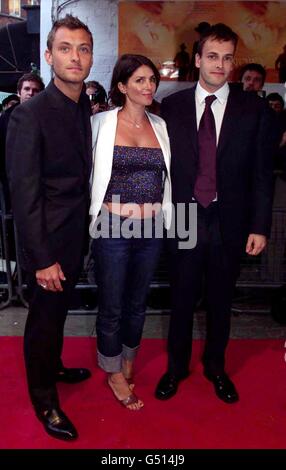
{"points": [[99, 92], [123, 69]]}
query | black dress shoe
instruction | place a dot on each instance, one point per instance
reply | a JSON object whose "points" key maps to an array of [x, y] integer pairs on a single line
{"points": [[57, 424], [72, 375], [224, 387], [168, 386]]}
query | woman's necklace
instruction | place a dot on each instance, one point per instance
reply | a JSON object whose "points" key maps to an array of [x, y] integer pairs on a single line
{"points": [[138, 125]]}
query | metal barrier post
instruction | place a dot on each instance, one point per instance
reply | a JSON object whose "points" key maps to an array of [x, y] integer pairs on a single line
{"points": [[5, 255]]}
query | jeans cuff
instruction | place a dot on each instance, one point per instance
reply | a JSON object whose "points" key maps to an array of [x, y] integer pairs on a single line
{"points": [[129, 353], [111, 364]]}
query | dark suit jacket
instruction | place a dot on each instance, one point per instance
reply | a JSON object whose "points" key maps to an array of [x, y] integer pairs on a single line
{"points": [[4, 121], [244, 160], [48, 166]]}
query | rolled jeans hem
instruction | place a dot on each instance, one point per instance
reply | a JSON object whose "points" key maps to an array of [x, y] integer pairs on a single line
{"points": [[129, 353], [113, 364]]}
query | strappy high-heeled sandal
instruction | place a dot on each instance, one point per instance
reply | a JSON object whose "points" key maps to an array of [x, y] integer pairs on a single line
{"points": [[132, 399]]}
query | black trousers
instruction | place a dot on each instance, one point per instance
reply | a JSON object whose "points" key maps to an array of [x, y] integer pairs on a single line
{"points": [[212, 268], [43, 339]]}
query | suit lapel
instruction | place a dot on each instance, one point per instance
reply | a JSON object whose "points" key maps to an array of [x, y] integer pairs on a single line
{"points": [[188, 120], [231, 117]]}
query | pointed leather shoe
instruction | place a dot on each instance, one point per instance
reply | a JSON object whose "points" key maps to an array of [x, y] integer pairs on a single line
{"points": [[57, 424], [224, 387], [168, 386], [72, 375]]}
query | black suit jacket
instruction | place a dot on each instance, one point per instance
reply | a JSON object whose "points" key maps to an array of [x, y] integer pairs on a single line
{"points": [[4, 121], [48, 166], [244, 160]]}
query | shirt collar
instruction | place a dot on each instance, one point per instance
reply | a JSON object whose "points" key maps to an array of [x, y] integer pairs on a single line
{"points": [[221, 93], [68, 101]]}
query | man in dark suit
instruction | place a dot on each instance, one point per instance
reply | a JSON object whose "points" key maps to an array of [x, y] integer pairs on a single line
{"points": [[221, 146], [48, 163], [28, 86]]}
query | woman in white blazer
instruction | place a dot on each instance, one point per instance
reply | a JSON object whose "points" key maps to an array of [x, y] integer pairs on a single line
{"points": [[131, 195]]}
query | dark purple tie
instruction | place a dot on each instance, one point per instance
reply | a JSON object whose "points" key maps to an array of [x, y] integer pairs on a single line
{"points": [[205, 185]]}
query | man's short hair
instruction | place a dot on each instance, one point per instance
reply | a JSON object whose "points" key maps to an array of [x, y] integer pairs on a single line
{"points": [[69, 22], [30, 77], [219, 32], [253, 67], [275, 97]]}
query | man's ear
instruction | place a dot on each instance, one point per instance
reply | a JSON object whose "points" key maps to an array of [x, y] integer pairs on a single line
{"points": [[197, 60], [49, 57]]}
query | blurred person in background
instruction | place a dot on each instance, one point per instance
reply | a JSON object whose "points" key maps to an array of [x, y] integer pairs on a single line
{"points": [[252, 76], [194, 71], [280, 65], [9, 101], [97, 96], [28, 86]]}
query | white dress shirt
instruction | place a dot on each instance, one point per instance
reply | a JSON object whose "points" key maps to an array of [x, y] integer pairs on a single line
{"points": [[218, 106]]}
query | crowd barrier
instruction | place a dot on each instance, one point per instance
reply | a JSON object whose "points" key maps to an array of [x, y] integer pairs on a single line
{"points": [[266, 271], [11, 277]]}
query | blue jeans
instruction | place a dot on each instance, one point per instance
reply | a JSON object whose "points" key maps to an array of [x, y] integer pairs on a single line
{"points": [[123, 269]]}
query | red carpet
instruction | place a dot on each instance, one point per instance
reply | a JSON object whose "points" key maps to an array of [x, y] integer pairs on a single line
{"points": [[193, 419]]}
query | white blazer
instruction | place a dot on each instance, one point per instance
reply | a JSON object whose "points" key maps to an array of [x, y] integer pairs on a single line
{"points": [[103, 137]]}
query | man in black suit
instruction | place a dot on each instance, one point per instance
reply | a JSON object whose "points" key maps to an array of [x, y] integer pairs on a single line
{"points": [[48, 163], [221, 150], [28, 86]]}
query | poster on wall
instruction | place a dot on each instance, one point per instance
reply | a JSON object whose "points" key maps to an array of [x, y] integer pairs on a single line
{"points": [[166, 32]]}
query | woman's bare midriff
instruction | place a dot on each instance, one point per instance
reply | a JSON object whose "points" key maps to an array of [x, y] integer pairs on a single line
{"points": [[134, 211]]}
